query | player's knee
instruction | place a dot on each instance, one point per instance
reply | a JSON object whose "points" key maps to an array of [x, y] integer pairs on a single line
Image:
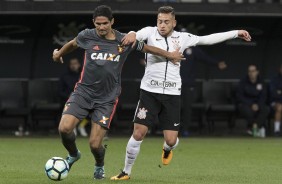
{"points": [[64, 128], [171, 142], [94, 144], [139, 135]]}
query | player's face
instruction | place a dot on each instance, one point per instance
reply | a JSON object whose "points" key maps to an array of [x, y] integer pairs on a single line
{"points": [[74, 65], [253, 72], [103, 25], [166, 23]]}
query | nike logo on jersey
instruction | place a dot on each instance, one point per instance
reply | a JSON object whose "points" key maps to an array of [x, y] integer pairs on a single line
{"points": [[176, 124], [158, 39], [105, 56]]}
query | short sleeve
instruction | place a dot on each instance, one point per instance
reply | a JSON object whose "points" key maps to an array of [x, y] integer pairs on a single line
{"points": [[144, 33], [190, 39], [81, 39]]}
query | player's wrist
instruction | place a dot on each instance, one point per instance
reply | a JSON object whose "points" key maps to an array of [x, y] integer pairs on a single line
{"points": [[58, 54]]}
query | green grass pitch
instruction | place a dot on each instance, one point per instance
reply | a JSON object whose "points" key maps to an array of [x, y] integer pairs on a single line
{"points": [[195, 161]]}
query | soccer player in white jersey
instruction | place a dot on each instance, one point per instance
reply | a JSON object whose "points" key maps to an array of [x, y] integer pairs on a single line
{"points": [[161, 84]]}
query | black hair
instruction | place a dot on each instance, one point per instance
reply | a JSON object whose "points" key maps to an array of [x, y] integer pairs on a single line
{"points": [[103, 10], [166, 10]]}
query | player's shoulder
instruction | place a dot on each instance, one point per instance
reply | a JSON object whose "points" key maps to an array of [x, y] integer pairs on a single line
{"points": [[119, 35], [88, 32], [182, 34]]}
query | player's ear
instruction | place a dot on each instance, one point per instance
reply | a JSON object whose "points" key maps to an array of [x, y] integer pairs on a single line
{"points": [[174, 23], [112, 21]]}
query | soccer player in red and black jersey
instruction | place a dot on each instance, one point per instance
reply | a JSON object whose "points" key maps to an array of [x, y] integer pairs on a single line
{"points": [[96, 93]]}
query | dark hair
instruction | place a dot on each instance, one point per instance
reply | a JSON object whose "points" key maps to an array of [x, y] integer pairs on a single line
{"points": [[166, 10], [104, 11]]}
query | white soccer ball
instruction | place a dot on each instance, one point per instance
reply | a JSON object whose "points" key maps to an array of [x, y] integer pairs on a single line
{"points": [[57, 168]]}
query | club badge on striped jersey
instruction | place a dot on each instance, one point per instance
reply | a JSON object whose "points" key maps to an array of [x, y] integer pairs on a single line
{"points": [[120, 48]]}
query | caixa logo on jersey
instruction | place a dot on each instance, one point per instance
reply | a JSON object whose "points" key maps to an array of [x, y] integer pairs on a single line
{"points": [[105, 56], [165, 84]]}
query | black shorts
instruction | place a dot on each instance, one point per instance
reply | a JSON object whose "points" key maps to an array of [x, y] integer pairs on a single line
{"points": [[162, 106], [100, 113]]}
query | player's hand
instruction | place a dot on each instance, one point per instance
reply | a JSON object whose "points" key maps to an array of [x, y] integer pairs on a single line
{"points": [[176, 57], [243, 34], [129, 39], [57, 57], [222, 65]]}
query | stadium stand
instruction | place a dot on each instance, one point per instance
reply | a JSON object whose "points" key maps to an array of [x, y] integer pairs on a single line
{"points": [[217, 95], [13, 94], [199, 108], [43, 101]]}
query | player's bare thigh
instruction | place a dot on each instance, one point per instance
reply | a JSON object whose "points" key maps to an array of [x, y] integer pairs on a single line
{"points": [[68, 123]]}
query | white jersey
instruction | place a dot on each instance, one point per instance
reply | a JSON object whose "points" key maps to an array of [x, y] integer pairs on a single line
{"points": [[162, 76]]}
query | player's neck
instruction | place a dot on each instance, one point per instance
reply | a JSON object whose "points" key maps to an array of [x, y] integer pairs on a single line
{"points": [[110, 36], [170, 33]]}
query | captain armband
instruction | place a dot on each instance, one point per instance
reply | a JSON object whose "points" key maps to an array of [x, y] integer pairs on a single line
{"points": [[140, 45]]}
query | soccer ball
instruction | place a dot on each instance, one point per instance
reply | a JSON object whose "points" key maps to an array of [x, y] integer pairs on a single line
{"points": [[57, 168]]}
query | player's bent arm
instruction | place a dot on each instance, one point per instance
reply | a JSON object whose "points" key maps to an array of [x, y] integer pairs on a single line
{"points": [[221, 37], [129, 38], [176, 55], [67, 48]]}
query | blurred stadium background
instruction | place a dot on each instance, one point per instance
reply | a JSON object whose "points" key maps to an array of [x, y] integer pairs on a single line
{"points": [[31, 29]]}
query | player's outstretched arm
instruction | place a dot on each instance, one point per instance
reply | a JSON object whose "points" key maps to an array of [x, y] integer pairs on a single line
{"points": [[175, 56], [67, 48], [221, 37]]}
